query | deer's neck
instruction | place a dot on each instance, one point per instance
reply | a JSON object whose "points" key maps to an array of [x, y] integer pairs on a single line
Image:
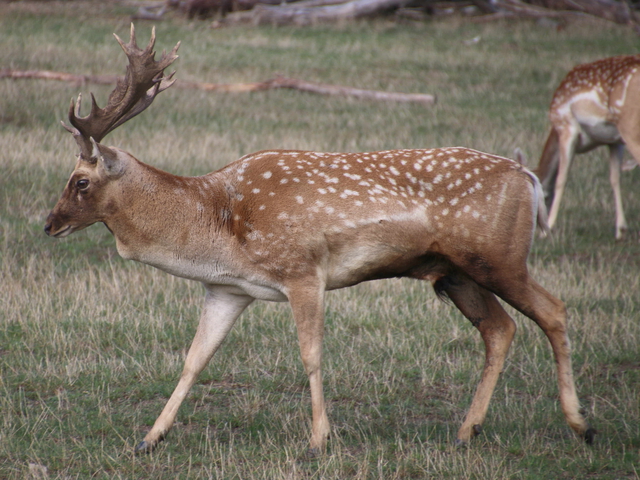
{"points": [[170, 222]]}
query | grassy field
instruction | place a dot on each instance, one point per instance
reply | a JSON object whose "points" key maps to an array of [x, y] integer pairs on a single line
{"points": [[91, 346]]}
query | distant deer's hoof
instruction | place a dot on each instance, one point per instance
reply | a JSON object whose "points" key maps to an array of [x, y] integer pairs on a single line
{"points": [[589, 436]]}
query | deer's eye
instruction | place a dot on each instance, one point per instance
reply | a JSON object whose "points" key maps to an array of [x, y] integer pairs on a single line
{"points": [[82, 184]]}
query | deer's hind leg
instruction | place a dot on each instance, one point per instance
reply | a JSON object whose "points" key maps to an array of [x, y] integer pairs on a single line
{"points": [[615, 170], [550, 314], [497, 329]]}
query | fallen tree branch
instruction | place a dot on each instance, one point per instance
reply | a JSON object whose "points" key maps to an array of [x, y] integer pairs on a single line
{"points": [[274, 83], [613, 11], [292, 14], [326, 89], [59, 76]]}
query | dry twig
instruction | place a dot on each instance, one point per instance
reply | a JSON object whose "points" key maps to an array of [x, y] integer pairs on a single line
{"points": [[274, 83]]}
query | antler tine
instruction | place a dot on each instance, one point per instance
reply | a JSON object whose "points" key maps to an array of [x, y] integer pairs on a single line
{"points": [[143, 81], [133, 43], [152, 40], [74, 112], [78, 104]]}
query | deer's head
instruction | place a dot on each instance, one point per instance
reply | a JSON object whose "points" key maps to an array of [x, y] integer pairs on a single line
{"points": [[91, 190]]}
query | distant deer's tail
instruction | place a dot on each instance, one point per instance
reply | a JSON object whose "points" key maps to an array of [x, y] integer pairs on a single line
{"points": [[542, 217], [539, 205]]}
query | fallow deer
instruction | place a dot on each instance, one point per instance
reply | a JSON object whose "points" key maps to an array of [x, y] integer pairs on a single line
{"points": [[289, 225], [596, 104]]}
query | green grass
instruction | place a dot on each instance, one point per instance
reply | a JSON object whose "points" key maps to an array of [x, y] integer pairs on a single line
{"points": [[91, 346]]}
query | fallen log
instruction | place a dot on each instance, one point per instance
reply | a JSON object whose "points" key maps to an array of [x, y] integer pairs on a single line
{"points": [[274, 83], [294, 14], [613, 11]]}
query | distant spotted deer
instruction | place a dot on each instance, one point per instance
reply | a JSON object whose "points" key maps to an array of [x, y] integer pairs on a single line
{"points": [[596, 104], [289, 225]]}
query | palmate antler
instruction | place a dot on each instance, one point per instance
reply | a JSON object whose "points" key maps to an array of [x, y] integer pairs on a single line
{"points": [[133, 94]]}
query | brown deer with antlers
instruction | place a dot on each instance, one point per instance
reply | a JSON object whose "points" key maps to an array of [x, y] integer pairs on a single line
{"points": [[290, 225], [596, 104]]}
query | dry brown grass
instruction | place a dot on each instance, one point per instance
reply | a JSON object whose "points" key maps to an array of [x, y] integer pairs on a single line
{"points": [[91, 345]]}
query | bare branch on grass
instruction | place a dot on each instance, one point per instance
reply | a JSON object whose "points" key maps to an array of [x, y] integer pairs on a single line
{"points": [[309, 12], [294, 14], [613, 11], [272, 84]]}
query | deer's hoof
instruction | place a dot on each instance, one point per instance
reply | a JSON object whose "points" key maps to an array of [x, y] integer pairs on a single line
{"points": [[589, 436], [460, 444], [145, 447], [313, 453]]}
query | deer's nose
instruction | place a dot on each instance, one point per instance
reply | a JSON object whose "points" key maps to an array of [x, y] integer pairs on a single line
{"points": [[48, 225]]}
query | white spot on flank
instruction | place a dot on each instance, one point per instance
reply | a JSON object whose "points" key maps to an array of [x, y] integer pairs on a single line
{"points": [[255, 190], [299, 199], [266, 174]]}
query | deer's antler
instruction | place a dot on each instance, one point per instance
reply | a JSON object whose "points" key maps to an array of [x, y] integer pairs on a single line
{"points": [[133, 94]]}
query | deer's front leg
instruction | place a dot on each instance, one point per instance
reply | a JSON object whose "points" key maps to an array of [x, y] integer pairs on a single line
{"points": [[221, 309], [307, 304]]}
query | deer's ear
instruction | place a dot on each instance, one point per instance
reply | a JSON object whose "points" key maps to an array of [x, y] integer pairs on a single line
{"points": [[108, 159]]}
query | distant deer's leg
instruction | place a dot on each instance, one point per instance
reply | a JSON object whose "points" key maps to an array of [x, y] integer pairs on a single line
{"points": [[547, 169], [221, 309], [497, 329], [307, 304], [550, 314], [566, 150], [615, 167]]}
